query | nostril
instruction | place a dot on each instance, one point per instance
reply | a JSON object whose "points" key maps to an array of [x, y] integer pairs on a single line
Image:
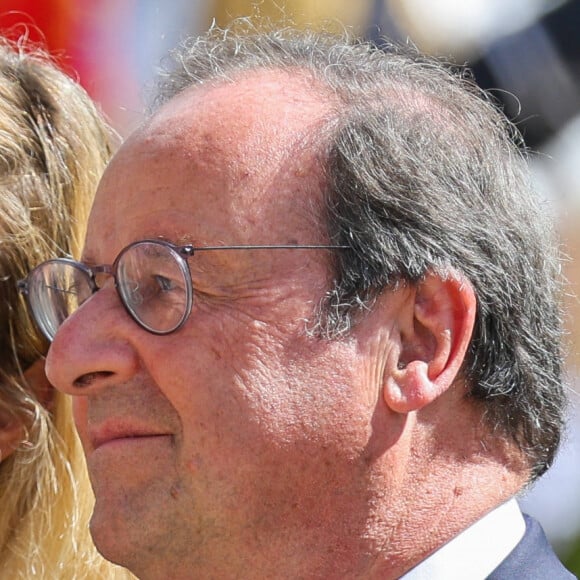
{"points": [[88, 379]]}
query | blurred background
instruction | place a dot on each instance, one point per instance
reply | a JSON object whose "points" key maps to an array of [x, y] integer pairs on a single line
{"points": [[526, 51]]}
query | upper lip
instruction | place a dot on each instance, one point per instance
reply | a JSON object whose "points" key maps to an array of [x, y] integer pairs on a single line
{"points": [[120, 429]]}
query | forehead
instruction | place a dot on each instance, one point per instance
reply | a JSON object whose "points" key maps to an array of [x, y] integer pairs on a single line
{"points": [[231, 163]]}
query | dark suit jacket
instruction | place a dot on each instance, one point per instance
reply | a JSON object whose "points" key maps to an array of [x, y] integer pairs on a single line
{"points": [[532, 559]]}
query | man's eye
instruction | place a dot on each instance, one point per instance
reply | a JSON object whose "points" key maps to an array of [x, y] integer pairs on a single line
{"points": [[165, 284]]}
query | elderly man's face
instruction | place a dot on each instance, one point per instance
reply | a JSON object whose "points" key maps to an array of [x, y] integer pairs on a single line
{"points": [[221, 443]]}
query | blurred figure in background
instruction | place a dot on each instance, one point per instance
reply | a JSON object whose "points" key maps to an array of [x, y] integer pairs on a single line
{"points": [[54, 145]]}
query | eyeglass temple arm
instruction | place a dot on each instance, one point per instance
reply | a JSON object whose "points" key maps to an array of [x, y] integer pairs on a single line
{"points": [[190, 250]]}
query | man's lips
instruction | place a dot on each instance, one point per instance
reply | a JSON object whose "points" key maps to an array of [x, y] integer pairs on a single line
{"points": [[121, 432]]}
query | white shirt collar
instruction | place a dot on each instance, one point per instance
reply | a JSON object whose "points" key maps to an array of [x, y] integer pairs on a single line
{"points": [[472, 554]]}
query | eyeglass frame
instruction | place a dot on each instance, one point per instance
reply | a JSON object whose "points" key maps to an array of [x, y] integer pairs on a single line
{"points": [[182, 251]]}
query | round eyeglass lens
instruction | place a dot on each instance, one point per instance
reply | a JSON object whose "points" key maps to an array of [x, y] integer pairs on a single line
{"points": [[55, 290], [154, 284]]}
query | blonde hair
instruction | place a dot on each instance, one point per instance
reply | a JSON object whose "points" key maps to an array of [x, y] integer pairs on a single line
{"points": [[54, 145]]}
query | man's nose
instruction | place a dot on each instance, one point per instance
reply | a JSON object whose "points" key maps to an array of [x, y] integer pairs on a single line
{"points": [[93, 349]]}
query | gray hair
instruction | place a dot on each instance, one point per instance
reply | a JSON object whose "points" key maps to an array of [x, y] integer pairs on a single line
{"points": [[424, 173]]}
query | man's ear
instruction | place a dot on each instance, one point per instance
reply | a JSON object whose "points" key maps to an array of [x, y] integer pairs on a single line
{"points": [[435, 328]]}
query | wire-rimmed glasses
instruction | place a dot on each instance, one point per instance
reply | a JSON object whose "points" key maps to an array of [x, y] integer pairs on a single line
{"points": [[152, 279]]}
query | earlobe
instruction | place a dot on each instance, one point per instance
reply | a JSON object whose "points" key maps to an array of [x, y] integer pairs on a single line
{"points": [[434, 337]]}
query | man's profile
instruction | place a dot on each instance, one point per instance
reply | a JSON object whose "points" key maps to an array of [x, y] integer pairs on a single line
{"points": [[315, 332]]}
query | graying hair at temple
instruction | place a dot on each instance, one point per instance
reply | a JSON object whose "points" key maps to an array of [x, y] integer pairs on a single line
{"points": [[424, 173]]}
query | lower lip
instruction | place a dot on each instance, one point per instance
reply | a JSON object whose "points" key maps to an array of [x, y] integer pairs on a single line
{"points": [[122, 443]]}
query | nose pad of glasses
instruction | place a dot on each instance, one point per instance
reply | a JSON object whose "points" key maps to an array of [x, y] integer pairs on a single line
{"points": [[101, 278]]}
